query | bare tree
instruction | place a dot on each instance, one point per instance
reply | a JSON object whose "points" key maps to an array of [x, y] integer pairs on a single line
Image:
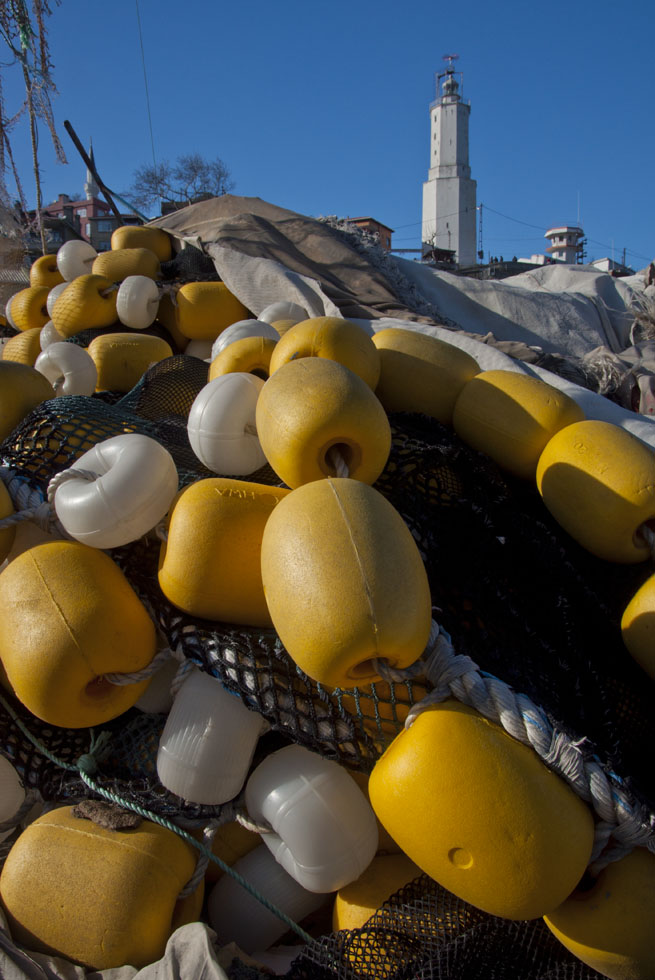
{"points": [[26, 38], [190, 178]]}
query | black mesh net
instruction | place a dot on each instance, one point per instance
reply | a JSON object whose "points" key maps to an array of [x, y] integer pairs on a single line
{"points": [[513, 590]]}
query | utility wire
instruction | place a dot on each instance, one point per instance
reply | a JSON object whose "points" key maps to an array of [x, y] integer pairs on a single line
{"points": [[527, 224], [145, 82]]}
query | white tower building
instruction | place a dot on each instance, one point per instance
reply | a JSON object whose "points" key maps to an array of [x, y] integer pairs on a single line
{"points": [[449, 210]]}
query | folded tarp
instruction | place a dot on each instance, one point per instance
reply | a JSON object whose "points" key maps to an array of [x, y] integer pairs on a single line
{"points": [[264, 253]]}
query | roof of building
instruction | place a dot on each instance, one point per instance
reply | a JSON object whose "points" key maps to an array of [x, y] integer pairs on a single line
{"points": [[374, 220], [563, 228]]}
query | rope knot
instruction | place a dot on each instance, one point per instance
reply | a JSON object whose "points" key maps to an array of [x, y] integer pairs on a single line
{"points": [[87, 764]]}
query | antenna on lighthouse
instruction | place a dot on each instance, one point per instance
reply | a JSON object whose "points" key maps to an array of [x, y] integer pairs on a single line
{"points": [[450, 85]]}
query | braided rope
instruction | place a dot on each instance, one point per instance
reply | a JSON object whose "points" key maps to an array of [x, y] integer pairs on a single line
{"points": [[72, 473], [622, 825], [335, 459], [160, 658], [257, 828], [30, 503]]}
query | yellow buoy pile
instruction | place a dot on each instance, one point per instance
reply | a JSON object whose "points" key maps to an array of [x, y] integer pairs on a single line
{"points": [[332, 567]]}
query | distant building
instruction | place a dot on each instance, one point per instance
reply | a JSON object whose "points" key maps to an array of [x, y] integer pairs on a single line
{"points": [[89, 218], [616, 269], [567, 244], [375, 228], [449, 208]]}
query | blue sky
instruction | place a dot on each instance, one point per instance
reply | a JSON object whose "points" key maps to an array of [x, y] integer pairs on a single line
{"points": [[323, 109]]}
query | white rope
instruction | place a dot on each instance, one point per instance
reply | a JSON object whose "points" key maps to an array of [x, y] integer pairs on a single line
{"points": [[257, 828], [334, 458], [160, 658], [30, 503], [623, 824], [180, 676], [70, 474], [208, 834]]}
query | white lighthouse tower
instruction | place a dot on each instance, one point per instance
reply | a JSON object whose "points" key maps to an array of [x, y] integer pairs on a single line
{"points": [[449, 210]]}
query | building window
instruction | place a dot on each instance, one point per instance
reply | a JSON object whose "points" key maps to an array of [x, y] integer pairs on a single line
{"points": [[104, 226], [88, 229], [81, 212]]}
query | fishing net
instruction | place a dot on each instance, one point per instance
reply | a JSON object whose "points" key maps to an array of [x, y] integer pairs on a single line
{"points": [[512, 589]]}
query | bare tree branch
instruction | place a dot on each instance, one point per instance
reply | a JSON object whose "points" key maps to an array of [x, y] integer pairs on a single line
{"points": [[189, 179]]}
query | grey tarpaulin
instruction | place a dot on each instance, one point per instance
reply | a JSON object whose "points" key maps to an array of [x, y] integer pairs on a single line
{"points": [[190, 955], [264, 253]]}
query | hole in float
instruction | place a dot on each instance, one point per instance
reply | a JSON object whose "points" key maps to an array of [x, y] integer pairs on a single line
{"points": [[365, 669], [98, 688], [260, 373], [460, 857], [338, 455], [641, 540]]}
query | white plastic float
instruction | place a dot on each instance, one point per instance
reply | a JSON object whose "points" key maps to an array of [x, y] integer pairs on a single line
{"points": [[208, 741], [137, 302], [137, 480], [49, 335], [238, 917], [75, 259], [70, 369], [283, 310], [221, 425], [240, 330], [53, 296], [324, 830]]}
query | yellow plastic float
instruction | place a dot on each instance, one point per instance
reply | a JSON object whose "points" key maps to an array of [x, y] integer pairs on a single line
{"points": [[122, 358], [69, 617], [312, 408], [250, 355], [609, 925], [140, 236], [88, 301], [27, 308], [344, 582], [23, 347], [638, 626], [121, 263], [598, 482], [357, 902], [419, 373], [209, 564], [332, 338], [22, 388], [7, 534], [481, 814], [44, 272], [511, 417], [201, 310], [102, 898]]}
